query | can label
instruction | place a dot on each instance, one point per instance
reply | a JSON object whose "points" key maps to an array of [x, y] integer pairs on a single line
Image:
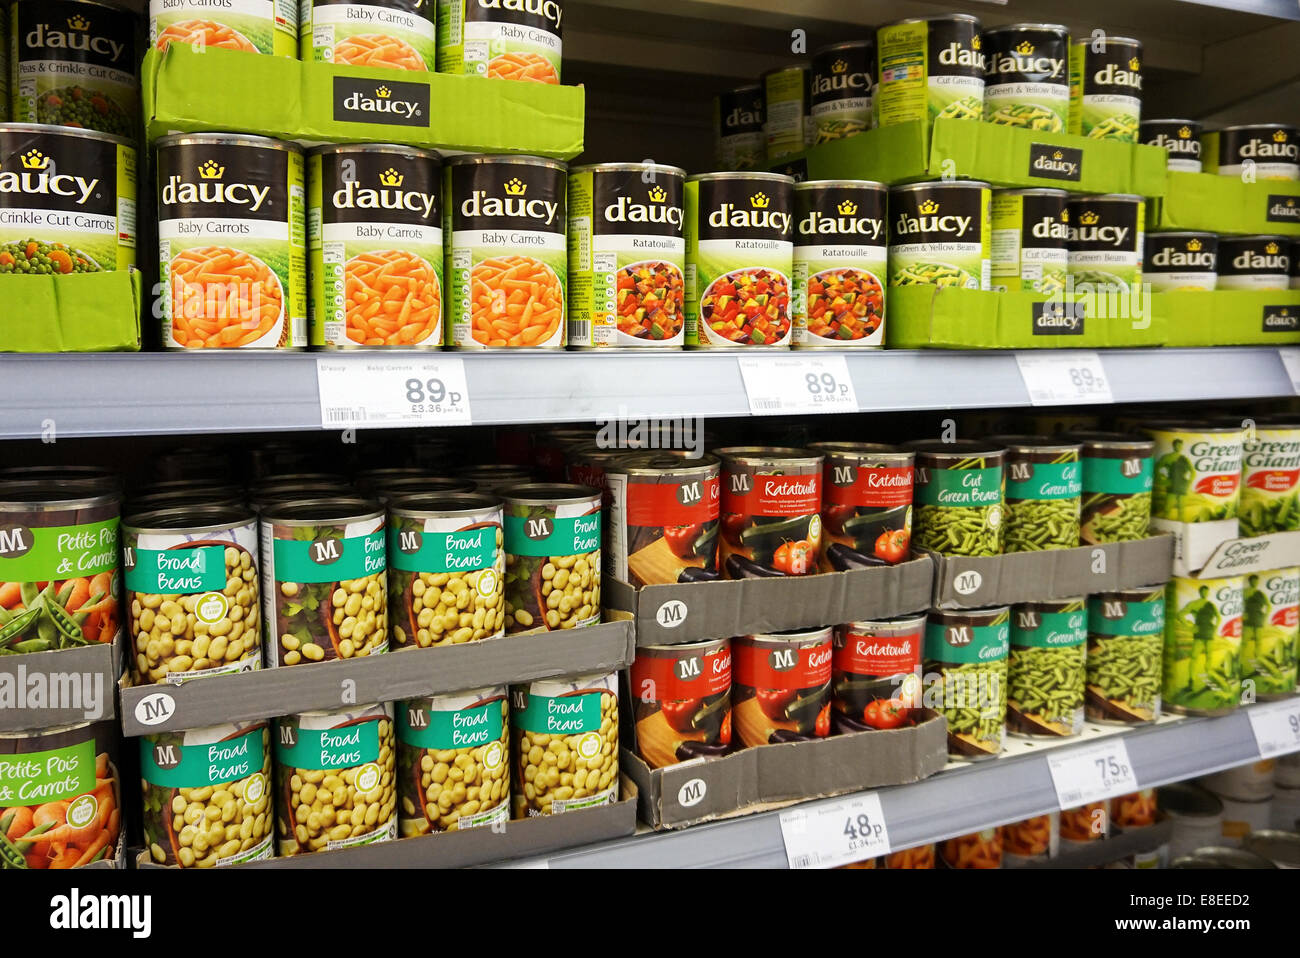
{"points": [[1270, 481], [782, 688], [842, 90], [1028, 239], [877, 673], [1270, 625], [966, 679], [738, 127], [959, 506], [771, 524], [785, 104], [1106, 89], [1043, 491], [253, 26], [930, 69], [1028, 81], [1254, 263], [398, 35], [553, 566], [661, 529], [1182, 141], [1269, 152], [1116, 505], [510, 39], [1106, 243], [577, 721], [1202, 654], [940, 237], [1197, 475], [866, 510], [1125, 644], [682, 701], [1045, 668], [1181, 262], [627, 257]]}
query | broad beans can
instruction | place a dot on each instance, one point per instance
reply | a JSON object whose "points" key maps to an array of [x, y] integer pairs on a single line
{"points": [[1125, 642], [681, 701], [1117, 483], [1197, 472], [1202, 656], [553, 549], [959, 496], [781, 689], [965, 677], [1045, 668], [1270, 628]]}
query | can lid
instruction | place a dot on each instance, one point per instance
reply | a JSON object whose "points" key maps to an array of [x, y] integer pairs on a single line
{"points": [[1219, 857], [839, 184], [1020, 27], [516, 159], [1275, 845], [1188, 800], [745, 175], [940, 185], [49, 129], [1169, 120], [1095, 197], [1029, 443], [395, 148], [547, 493], [442, 503], [651, 168], [55, 492], [863, 450], [189, 517], [331, 509], [1120, 440], [956, 447], [663, 462], [217, 139], [785, 453], [1237, 127], [1254, 238], [945, 18]]}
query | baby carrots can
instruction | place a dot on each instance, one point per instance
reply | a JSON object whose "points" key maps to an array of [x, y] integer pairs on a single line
{"points": [[507, 252], [375, 237], [253, 26], [510, 40], [232, 242], [396, 34]]}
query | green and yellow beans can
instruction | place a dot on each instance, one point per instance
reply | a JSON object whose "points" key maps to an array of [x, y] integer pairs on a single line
{"points": [[1197, 474], [958, 497], [965, 677], [1106, 88], [1126, 632], [1117, 482], [1028, 80], [1044, 485], [1202, 654], [1045, 668], [1270, 615], [1270, 478]]}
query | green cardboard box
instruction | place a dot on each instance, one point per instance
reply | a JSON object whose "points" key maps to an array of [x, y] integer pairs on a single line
{"points": [[1224, 204], [1229, 317], [77, 313]]}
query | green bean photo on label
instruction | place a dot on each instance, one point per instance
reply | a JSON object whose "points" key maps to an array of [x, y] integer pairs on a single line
{"points": [[1047, 683], [1123, 519], [964, 530], [1033, 525]]}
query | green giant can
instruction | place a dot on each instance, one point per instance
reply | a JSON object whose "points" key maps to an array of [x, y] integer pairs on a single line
{"points": [[1202, 660], [1269, 619], [1270, 478], [1197, 472]]}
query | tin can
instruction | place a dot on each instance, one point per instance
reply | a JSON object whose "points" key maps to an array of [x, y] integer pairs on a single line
{"points": [[587, 465], [77, 767], [1106, 242], [293, 493], [1251, 782], [1286, 809], [982, 849], [1197, 817], [324, 580], [1218, 856], [1135, 810], [1027, 83], [488, 478], [393, 34], [1282, 848], [1106, 88], [781, 686], [843, 87], [1045, 668], [192, 592], [876, 680], [1117, 483], [626, 256], [47, 529], [739, 259], [966, 677], [1202, 656], [1085, 823], [663, 518], [917, 857], [930, 69], [102, 480], [442, 548], [1125, 643], [1270, 151], [1197, 472], [334, 779], [1270, 628], [505, 224], [681, 699], [771, 505], [368, 481], [1240, 818], [739, 141], [939, 234], [1181, 261], [465, 732], [1036, 839], [840, 263], [786, 111], [1270, 477], [959, 496], [511, 42], [262, 26], [1254, 262], [1029, 233], [422, 486], [1181, 139], [1044, 486], [866, 504], [190, 780], [576, 720], [553, 565]]}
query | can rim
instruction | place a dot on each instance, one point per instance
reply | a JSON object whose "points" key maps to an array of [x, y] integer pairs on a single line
{"points": [[626, 464], [941, 18], [741, 175], [548, 493], [389, 148], [226, 139], [628, 168], [940, 184], [331, 510], [839, 184], [188, 517], [517, 159], [1255, 126], [1050, 27], [799, 454], [91, 498], [431, 505], [51, 128]]}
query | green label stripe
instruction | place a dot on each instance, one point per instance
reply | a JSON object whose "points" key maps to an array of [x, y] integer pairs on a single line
{"points": [[961, 487], [459, 728], [39, 777], [1107, 475], [1049, 480], [988, 643], [325, 748], [465, 551], [544, 536], [330, 560], [562, 715], [198, 765], [58, 552], [173, 571], [1055, 630], [1139, 618]]}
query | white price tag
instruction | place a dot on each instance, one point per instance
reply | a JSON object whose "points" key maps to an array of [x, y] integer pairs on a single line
{"points": [[1090, 774], [1276, 726], [843, 832], [781, 385], [1290, 357], [1064, 378], [378, 391]]}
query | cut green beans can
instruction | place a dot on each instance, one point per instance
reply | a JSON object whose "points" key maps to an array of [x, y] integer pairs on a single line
{"points": [[965, 677], [1125, 638], [1270, 479], [1043, 488], [958, 497], [1046, 668], [1269, 618], [1197, 472], [1117, 479], [1202, 655]]}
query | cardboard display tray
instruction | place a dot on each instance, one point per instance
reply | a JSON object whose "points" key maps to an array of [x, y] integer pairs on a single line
{"points": [[42, 690], [1226, 204], [1195, 543], [1237, 556], [769, 776], [688, 612], [1228, 317], [971, 583], [381, 678], [525, 838], [77, 313]]}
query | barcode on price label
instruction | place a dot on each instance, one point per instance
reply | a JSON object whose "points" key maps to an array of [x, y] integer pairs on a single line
{"points": [[1276, 726], [778, 385], [1092, 773], [387, 391], [1064, 378], [837, 833]]}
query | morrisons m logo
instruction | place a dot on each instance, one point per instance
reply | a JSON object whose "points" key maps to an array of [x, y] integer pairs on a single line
{"points": [[1112, 609], [539, 528], [415, 718], [409, 541], [740, 483], [164, 756], [959, 635], [843, 475], [326, 552], [689, 493], [782, 660], [689, 668], [15, 541]]}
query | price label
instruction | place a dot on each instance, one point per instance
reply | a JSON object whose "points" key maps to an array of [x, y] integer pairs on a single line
{"points": [[1276, 726], [839, 833], [1064, 378], [387, 391], [1291, 360], [1093, 773], [782, 385]]}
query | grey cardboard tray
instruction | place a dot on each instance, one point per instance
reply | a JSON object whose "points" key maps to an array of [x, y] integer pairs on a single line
{"points": [[688, 612], [757, 779], [381, 678], [971, 583], [1107, 850], [40, 690], [525, 838]]}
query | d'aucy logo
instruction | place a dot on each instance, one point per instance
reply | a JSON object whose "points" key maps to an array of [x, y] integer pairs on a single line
{"points": [[391, 102]]}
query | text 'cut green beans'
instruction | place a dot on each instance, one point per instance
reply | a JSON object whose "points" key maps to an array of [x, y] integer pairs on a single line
{"points": [[1044, 483], [1117, 483]]}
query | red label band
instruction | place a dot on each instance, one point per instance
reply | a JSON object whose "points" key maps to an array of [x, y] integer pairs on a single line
{"points": [[1220, 487], [1231, 628], [762, 666], [656, 505], [593, 476], [772, 495], [877, 656], [874, 487], [672, 679], [1274, 480], [1287, 617]]}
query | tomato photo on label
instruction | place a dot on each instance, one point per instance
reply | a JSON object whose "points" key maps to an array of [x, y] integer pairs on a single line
{"points": [[885, 714], [822, 727], [733, 524], [774, 702], [724, 734], [681, 539], [892, 545], [679, 714], [794, 558]]}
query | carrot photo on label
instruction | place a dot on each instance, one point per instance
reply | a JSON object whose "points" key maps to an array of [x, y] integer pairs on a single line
{"points": [[506, 41], [394, 34], [250, 26]]}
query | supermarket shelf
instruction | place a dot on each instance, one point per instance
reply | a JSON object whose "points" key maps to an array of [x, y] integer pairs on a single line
{"points": [[112, 395], [957, 801]]}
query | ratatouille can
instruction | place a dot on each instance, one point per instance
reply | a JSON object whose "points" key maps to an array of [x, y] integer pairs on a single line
{"points": [[771, 511], [681, 701], [866, 504], [876, 672], [781, 686]]}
